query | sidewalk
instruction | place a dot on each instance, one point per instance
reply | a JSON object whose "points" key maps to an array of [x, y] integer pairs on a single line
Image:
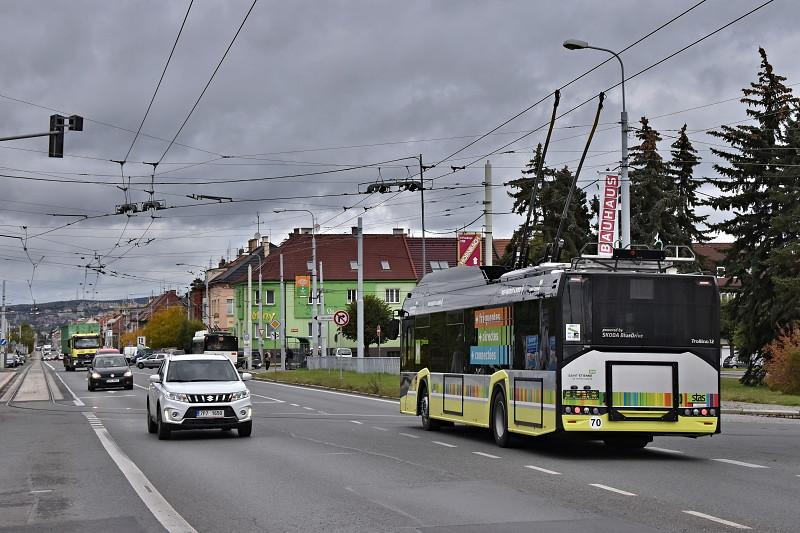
{"points": [[760, 409], [5, 377]]}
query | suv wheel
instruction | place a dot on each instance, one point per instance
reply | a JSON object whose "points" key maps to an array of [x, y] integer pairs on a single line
{"points": [[152, 427], [164, 431], [245, 429]]}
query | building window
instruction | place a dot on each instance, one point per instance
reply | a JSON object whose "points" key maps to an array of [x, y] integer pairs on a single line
{"points": [[352, 295], [310, 265], [269, 296], [392, 296], [385, 265], [439, 265], [229, 309], [353, 265], [256, 297], [310, 329]]}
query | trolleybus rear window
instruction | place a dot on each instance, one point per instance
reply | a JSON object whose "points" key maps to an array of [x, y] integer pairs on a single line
{"points": [[221, 343], [654, 311]]}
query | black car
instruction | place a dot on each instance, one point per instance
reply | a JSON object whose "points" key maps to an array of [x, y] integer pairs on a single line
{"points": [[109, 371], [241, 360]]}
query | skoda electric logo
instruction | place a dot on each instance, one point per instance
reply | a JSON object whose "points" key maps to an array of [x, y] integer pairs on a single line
{"points": [[209, 398]]}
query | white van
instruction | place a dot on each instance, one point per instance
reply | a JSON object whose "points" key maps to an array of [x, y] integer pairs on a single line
{"points": [[343, 352]]}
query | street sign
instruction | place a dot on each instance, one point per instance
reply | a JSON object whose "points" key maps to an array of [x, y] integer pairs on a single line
{"points": [[260, 332], [469, 249], [246, 337], [141, 342], [275, 324], [3, 342], [378, 330], [341, 318], [325, 318]]}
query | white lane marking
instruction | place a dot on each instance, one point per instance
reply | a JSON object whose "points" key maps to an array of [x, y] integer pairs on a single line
{"points": [[612, 489], [51, 368], [115, 396], [740, 463], [152, 499], [274, 400], [137, 385], [356, 422], [41, 491], [77, 401], [540, 469], [665, 450], [379, 429], [444, 444], [395, 402], [294, 405], [308, 408], [409, 435], [718, 520], [490, 456]]}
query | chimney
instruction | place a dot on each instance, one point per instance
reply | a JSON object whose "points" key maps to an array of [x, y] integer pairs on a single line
{"points": [[265, 247], [398, 231], [221, 262], [354, 230], [241, 252], [252, 244]]}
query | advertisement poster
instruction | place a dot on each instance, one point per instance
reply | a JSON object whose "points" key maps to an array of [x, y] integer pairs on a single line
{"points": [[532, 356], [607, 225], [302, 290], [495, 335], [469, 249]]}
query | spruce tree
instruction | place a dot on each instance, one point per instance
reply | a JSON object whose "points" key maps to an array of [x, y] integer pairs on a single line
{"points": [[758, 189], [653, 197], [681, 172], [549, 204]]}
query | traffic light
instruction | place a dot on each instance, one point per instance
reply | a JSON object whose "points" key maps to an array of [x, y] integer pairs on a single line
{"points": [[57, 139], [75, 123]]}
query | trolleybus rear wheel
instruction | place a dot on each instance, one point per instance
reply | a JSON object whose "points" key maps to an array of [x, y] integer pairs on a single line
{"points": [[500, 421]]}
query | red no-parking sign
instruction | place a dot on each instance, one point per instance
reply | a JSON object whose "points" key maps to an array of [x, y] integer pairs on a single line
{"points": [[341, 318]]}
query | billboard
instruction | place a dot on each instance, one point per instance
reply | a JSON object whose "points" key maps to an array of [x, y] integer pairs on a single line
{"points": [[302, 291], [469, 249], [607, 224]]}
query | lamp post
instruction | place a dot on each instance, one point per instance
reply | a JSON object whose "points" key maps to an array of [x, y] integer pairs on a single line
{"points": [[314, 295], [206, 303], [575, 44]]}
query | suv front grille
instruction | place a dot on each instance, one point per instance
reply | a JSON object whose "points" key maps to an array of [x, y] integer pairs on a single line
{"points": [[209, 398]]}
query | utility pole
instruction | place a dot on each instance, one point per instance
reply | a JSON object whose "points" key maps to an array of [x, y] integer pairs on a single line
{"points": [[360, 293], [422, 212], [261, 331], [314, 295], [322, 323], [487, 211], [3, 329], [248, 350], [283, 318]]}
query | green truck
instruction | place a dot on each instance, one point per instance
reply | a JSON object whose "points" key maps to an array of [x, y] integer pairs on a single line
{"points": [[79, 344]]}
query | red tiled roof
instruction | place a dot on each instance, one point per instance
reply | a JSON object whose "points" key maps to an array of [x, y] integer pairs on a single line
{"points": [[713, 252], [336, 252], [446, 249]]}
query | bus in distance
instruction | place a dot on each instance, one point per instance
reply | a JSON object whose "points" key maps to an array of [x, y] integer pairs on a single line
{"points": [[619, 349], [216, 343]]}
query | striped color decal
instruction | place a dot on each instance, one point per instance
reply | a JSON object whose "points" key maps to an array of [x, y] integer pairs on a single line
{"points": [[641, 399]]}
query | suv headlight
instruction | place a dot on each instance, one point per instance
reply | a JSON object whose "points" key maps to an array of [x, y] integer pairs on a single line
{"points": [[176, 396], [95, 375], [241, 395], [127, 374]]}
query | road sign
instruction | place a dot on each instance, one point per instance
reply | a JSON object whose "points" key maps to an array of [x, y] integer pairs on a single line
{"points": [[246, 337], [3, 342], [378, 330], [260, 332], [275, 324], [141, 342], [325, 318], [341, 318]]}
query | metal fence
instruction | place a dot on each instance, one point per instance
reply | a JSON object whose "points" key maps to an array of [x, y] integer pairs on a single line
{"points": [[366, 365]]}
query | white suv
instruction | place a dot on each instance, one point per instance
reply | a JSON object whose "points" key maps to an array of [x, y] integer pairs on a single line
{"points": [[198, 392]]}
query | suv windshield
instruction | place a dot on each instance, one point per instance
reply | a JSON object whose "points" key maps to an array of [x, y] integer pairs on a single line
{"points": [[109, 362], [201, 370]]}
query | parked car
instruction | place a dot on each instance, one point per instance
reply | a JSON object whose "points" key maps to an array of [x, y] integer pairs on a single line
{"points": [[198, 392], [151, 361], [109, 368], [241, 360], [732, 361], [343, 352], [11, 360]]}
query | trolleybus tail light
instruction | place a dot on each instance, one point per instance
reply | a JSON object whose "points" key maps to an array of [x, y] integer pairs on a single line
{"points": [[687, 412], [695, 412], [704, 412], [568, 409], [713, 412], [596, 411]]}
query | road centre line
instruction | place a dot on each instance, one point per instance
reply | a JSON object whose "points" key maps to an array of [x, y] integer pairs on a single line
{"points": [[444, 444], [137, 385], [379, 429], [739, 463], [77, 401], [308, 408], [152, 499], [294, 405], [718, 520], [490, 456], [356, 422], [665, 450], [612, 489], [545, 470], [395, 402], [409, 435]]}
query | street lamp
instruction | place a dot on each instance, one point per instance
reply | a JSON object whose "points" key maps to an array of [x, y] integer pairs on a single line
{"points": [[576, 44], [314, 299]]}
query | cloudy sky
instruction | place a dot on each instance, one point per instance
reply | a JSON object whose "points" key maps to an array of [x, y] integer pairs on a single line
{"points": [[310, 87]]}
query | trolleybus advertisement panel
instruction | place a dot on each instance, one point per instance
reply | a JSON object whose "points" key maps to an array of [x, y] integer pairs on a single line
{"points": [[495, 335]]}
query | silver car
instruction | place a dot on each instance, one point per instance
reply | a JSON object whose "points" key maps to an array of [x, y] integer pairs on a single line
{"points": [[198, 392]]}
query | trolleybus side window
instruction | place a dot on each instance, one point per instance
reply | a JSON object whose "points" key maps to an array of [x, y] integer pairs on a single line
{"points": [[456, 347], [437, 347], [408, 344], [527, 347], [421, 341], [577, 314]]}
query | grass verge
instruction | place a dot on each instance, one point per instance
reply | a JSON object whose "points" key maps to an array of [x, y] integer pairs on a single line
{"points": [[733, 391], [380, 384]]}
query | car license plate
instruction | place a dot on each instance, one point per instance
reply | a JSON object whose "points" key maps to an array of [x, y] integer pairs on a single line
{"points": [[115, 380], [211, 413]]}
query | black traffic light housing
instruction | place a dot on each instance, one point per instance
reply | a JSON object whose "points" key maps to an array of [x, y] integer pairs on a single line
{"points": [[56, 148]]}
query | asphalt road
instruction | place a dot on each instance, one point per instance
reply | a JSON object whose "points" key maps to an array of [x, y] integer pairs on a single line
{"points": [[323, 461]]}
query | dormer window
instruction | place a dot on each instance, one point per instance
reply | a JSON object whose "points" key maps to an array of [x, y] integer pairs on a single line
{"points": [[385, 265], [353, 265]]}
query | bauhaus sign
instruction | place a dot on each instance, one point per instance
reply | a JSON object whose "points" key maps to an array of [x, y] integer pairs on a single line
{"points": [[607, 224], [469, 249]]}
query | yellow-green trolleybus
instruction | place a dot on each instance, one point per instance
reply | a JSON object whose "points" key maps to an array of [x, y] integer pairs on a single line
{"points": [[616, 349]]}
